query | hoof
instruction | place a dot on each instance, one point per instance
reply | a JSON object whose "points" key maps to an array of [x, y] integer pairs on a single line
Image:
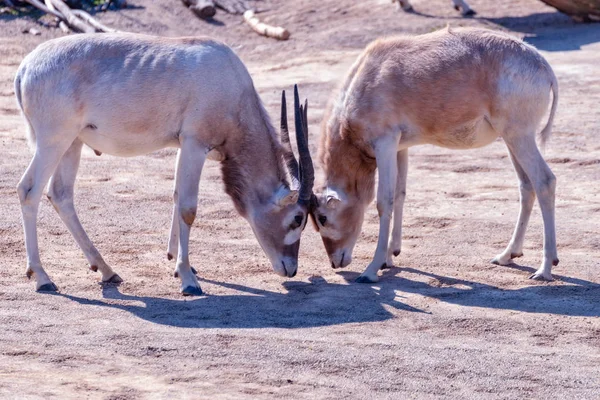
{"points": [[192, 291], [386, 266], [176, 274], [555, 262], [396, 253], [409, 9], [169, 256], [94, 268], [114, 279], [469, 13], [540, 276], [48, 287], [365, 279], [498, 261]]}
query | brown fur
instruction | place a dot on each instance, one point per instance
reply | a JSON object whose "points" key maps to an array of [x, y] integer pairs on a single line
{"points": [[458, 89], [257, 136], [414, 85]]}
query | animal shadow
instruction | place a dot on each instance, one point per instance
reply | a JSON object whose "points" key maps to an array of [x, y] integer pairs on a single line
{"points": [[305, 304], [577, 297]]}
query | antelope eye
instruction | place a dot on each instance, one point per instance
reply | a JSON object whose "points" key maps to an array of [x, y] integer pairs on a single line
{"points": [[322, 219], [299, 218], [297, 221]]}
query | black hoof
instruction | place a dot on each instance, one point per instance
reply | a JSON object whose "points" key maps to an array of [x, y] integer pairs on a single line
{"points": [[194, 271], [114, 279], [169, 256], [48, 287], [386, 266], [396, 253], [364, 279], [469, 13], [192, 291]]}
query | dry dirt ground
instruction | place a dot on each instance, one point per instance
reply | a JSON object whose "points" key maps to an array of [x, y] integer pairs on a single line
{"points": [[444, 323]]}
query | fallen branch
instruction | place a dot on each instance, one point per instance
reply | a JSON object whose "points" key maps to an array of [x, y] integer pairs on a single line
{"points": [[275, 32], [579, 10], [202, 8], [93, 21], [233, 6], [63, 26], [39, 5], [71, 19]]}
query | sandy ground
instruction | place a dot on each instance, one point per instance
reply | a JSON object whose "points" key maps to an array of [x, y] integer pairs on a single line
{"points": [[444, 323]]}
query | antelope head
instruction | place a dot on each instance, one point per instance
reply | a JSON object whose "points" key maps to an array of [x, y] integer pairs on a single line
{"points": [[279, 224], [338, 218]]}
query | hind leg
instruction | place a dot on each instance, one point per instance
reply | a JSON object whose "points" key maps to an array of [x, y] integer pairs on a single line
{"points": [[172, 249], [30, 189], [527, 198], [60, 194], [543, 180]]}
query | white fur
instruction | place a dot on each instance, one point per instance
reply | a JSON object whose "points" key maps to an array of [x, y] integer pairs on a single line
{"points": [[127, 95]]}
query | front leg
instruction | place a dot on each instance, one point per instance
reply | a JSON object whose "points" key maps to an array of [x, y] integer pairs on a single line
{"points": [[386, 150], [395, 245], [187, 179]]}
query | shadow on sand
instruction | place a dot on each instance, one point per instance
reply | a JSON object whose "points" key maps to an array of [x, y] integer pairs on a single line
{"points": [[552, 31], [319, 303], [577, 298], [306, 304], [549, 31]]}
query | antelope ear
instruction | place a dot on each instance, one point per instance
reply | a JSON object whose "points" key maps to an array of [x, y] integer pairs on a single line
{"points": [[332, 199], [284, 197], [332, 202]]}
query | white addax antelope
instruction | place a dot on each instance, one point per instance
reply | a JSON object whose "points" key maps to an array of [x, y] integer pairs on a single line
{"points": [[128, 95], [460, 89], [459, 5]]}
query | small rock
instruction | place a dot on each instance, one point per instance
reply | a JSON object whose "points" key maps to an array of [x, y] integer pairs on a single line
{"points": [[33, 31]]}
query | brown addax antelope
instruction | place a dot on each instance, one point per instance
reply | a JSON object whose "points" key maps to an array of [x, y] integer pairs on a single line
{"points": [[460, 89], [128, 95]]}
